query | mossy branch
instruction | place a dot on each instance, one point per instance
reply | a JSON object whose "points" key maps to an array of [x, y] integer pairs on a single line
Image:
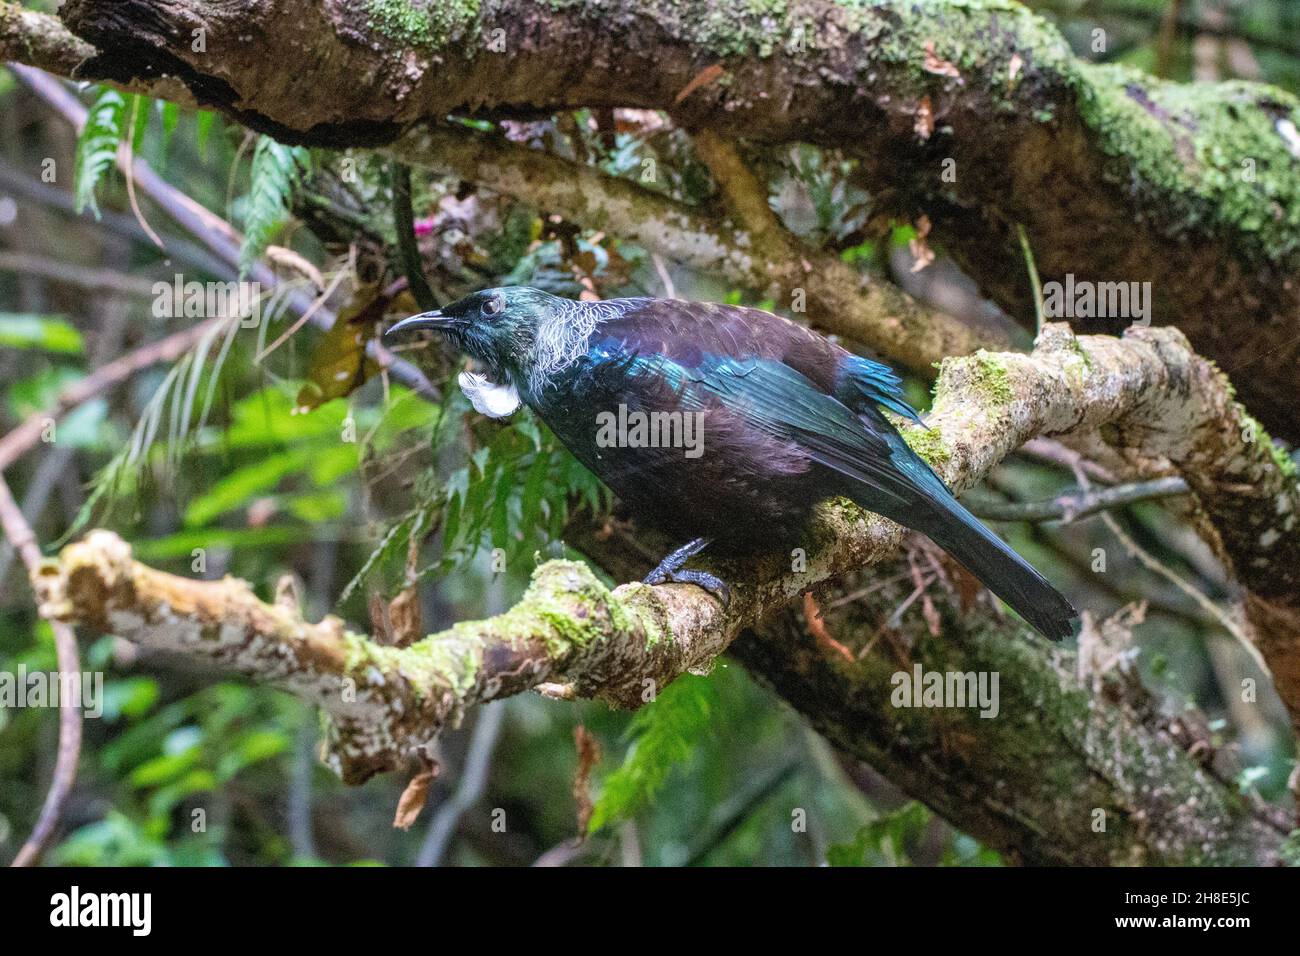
{"points": [[753, 251], [1113, 174], [1165, 408], [387, 704]]}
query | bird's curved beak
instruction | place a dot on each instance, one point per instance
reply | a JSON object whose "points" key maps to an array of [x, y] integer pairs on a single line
{"points": [[425, 320]]}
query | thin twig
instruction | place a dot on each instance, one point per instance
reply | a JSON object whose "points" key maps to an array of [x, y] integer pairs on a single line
{"points": [[303, 319], [213, 231], [20, 535], [1054, 452], [1033, 278], [670, 290], [68, 273], [17, 442], [126, 163], [407, 247], [478, 761], [1081, 503], [1151, 563]]}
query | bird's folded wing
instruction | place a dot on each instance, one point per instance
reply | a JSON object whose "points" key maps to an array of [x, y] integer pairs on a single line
{"points": [[779, 401], [875, 383]]}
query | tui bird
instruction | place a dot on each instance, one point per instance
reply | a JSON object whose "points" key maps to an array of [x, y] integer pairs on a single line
{"points": [[722, 425]]}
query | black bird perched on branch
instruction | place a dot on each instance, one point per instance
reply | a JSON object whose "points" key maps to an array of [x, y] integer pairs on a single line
{"points": [[722, 425]]}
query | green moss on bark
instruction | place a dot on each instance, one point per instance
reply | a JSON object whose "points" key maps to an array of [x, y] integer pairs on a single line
{"points": [[424, 24], [1212, 156]]}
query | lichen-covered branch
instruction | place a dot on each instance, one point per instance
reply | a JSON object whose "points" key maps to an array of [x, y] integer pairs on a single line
{"points": [[38, 39], [1078, 767], [1159, 404], [768, 258], [387, 704], [1076, 505], [1114, 176]]}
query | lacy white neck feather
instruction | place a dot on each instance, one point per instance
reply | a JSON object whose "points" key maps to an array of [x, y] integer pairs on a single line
{"points": [[563, 336]]}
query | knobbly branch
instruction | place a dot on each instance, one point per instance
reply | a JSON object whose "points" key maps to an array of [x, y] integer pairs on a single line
{"points": [[753, 251], [973, 112], [614, 645]]}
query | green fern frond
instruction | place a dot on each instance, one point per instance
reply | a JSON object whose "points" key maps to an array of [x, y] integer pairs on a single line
{"points": [[665, 733], [884, 841], [277, 170], [172, 404], [97, 145]]}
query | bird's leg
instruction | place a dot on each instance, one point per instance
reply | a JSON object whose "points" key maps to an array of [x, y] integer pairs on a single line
{"points": [[670, 569]]}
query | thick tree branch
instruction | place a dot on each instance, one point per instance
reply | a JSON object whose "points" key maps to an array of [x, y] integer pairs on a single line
{"points": [[1078, 767], [387, 704], [758, 253], [38, 39], [571, 629], [31, 38], [1114, 176]]}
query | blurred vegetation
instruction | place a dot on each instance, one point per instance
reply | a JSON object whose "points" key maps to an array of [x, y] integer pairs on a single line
{"points": [[255, 458]]}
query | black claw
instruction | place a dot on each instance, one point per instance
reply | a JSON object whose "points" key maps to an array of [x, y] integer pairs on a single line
{"points": [[711, 583], [670, 569]]}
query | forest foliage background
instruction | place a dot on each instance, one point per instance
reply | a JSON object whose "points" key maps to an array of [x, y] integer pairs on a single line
{"points": [[287, 451]]}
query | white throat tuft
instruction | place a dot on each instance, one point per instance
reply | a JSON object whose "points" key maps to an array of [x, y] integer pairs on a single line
{"points": [[487, 397]]}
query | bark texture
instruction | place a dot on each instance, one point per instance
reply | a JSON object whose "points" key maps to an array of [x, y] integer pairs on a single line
{"points": [[972, 112], [1115, 176], [388, 704]]}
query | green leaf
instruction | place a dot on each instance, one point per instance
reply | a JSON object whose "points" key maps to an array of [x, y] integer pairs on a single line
{"points": [[130, 697], [501, 511], [394, 542], [171, 114], [265, 419], [139, 106], [276, 172], [530, 507], [203, 129], [319, 506], [883, 842], [97, 145], [665, 734], [255, 746], [20, 330], [164, 769], [329, 465], [183, 543], [241, 485], [38, 392]]}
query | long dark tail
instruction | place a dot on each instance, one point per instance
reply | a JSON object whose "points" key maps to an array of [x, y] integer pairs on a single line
{"points": [[940, 516], [1003, 572]]}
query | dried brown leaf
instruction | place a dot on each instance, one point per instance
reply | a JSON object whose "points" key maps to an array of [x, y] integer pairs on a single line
{"points": [[812, 614], [414, 797], [937, 65], [921, 251], [404, 618], [706, 76], [1013, 67], [588, 756], [924, 124]]}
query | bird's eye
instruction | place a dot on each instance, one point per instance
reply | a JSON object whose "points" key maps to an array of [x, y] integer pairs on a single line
{"points": [[493, 305]]}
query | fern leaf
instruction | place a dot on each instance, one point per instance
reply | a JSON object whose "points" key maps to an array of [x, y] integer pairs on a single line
{"points": [[97, 145], [277, 170], [664, 735]]}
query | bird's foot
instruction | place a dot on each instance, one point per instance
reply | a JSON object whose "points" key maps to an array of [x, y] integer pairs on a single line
{"points": [[710, 582], [670, 569]]}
